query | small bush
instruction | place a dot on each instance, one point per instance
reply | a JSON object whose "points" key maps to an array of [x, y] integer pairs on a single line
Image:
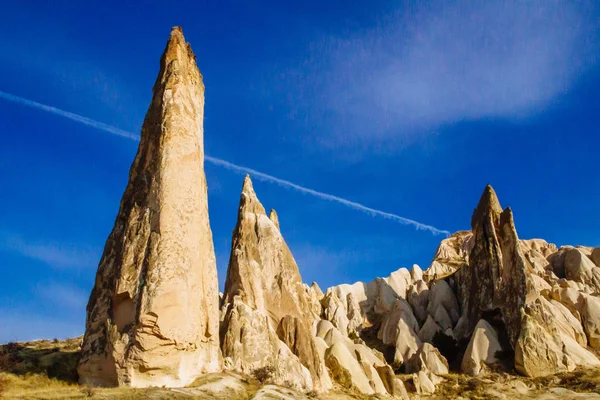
{"points": [[353, 336], [263, 374]]}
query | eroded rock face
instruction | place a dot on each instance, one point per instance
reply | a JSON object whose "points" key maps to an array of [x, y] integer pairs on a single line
{"points": [[517, 284], [250, 343], [293, 332], [545, 347], [495, 278], [451, 255], [262, 270], [346, 370], [152, 317], [264, 290]]}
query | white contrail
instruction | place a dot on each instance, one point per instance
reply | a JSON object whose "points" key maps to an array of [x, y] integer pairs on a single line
{"points": [[324, 196], [70, 115], [230, 166]]}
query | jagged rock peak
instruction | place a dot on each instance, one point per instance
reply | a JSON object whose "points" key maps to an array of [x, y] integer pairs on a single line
{"points": [[274, 218], [153, 317], [263, 288], [249, 202], [487, 203], [177, 47]]}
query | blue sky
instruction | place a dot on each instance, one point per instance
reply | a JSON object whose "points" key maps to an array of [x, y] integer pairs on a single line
{"points": [[406, 107]]}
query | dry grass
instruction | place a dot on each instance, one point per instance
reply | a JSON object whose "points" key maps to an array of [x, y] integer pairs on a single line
{"points": [[47, 370], [35, 386], [581, 380], [459, 385]]}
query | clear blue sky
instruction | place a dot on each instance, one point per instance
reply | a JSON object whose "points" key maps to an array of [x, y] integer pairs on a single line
{"points": [[405, 107]]}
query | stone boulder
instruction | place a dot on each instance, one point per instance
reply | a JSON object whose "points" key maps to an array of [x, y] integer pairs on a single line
{"points": [[152, 317], [482, 349], [557, 261], [429, 359], [580, 268], [570, 298], [374, 378], [423, 385], [317, 290], [416, 273]]}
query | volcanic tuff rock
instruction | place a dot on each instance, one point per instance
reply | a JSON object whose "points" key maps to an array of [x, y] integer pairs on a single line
{"points": [[495, 278], [428, 359], [262, 270], [152, 317], [482, 349], [264, 290], [451, 255], [506, 281]]}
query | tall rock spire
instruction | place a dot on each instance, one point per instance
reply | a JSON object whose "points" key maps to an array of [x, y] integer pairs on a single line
{"points": [[152, 317], [267, 311]]}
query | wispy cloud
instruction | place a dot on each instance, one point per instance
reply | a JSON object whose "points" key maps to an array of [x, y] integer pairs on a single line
{"points": [[436, 63], [226, 164], [59, 255]]}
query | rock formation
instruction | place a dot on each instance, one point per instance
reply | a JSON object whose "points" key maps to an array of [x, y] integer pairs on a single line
{"points": [[513, 300], [506, 281], [267, 311], [427, 358], [495, 277], [451, 255], [262, 270], [152, 317]]}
